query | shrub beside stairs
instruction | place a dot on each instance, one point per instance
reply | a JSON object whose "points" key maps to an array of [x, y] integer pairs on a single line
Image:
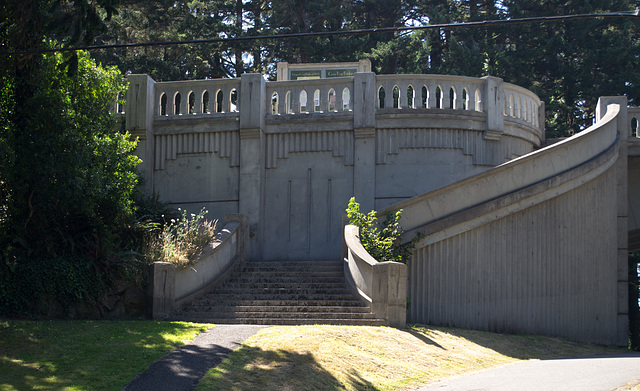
{"points": [[281, 293]]}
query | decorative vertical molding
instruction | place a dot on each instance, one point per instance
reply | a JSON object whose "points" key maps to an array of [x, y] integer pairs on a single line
{"points": [[364, 135], [280, 145], [493, 107], [170, 146], [252, 156]]}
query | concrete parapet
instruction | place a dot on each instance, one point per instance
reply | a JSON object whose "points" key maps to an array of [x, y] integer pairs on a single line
{"points": [[171, 287], [383, 285]]}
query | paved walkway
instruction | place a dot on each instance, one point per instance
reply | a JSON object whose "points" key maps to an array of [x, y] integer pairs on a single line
{"points": [[182, 369], [598, 373]]}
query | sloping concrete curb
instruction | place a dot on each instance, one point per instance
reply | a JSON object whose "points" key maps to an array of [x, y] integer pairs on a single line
{"points": [[182, 369]]}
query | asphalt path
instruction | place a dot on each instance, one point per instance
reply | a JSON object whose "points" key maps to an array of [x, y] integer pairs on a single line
{"points": [[182, 369], [597, 373]]}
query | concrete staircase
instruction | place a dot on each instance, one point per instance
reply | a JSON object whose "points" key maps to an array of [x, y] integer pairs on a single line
{"points": [[281, 293]]}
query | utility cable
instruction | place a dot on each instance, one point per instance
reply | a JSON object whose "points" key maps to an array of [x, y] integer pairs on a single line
{"points": [[537, 19]]}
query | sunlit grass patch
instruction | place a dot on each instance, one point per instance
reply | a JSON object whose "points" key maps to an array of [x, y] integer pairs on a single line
{"points": [[84, 355], [375, 358]]}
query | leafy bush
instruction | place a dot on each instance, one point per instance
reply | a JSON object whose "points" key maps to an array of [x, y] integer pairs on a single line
{"points": [[182, 240], [382, 241], [67, 179]]}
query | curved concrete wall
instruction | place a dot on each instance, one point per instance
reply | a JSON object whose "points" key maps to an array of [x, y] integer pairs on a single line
{"points": [[536, 245], [290, 154]]}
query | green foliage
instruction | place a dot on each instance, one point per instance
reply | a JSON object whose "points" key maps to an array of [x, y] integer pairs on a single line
{"points": [[382, 241], [182, 240], [67, 187]]}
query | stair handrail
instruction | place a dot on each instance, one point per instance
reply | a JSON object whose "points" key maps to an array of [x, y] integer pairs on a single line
{"points": [[423, 210], [382, 285]]}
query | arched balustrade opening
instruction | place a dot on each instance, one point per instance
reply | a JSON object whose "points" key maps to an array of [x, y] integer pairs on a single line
{"points": [[452, 98], [381, 96], [205, 102], [410, 97], [346, 99], [192, 103], [396, 97], [274, 103], [163, 104], [177, 100], [332, 99], [316, 100], [438, 97], [233, 98], [425, 97], [219, 100], [303, 101]]}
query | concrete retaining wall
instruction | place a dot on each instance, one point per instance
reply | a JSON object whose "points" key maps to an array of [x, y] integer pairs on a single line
{"points": [[536, 245], [170, 287], [382, 285]]}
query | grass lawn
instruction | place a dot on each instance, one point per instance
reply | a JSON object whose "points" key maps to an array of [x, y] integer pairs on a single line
{"points": [[84, 355], [374, 358], [106, 355]]}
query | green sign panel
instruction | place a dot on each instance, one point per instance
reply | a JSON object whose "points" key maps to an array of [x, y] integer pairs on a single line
{"points": [[305, 74], [341, 72]]}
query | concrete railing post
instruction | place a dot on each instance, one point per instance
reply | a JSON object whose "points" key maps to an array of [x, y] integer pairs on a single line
{"points": [[139, 112], [364, 132], [493, 107], [162, 280], [252, 147]]}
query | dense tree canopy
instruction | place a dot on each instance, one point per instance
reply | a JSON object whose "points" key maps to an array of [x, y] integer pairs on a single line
{"points": [[67, 176], [568, 64]]}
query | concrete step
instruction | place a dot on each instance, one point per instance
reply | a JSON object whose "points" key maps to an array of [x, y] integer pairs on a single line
{"points": [[256, 277], [237, 309], [281, 293], [287, 321], [209, 301], [280, 315]]}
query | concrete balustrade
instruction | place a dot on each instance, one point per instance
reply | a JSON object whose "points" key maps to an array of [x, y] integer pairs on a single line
{"points": [[170, 287], [201, 97], [381, 285]]}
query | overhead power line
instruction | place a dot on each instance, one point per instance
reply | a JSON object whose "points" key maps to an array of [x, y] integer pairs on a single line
{"points": [[537, 19]]}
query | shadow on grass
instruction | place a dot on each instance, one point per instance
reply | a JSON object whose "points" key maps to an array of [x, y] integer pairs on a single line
{"points": [[522, 347], [101, 355], [251, 368]]}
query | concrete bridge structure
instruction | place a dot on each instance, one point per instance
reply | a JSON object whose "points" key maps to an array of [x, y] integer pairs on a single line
{"points": [[517, 238]]}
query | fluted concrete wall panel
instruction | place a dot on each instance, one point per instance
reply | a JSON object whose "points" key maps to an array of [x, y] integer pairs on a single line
{"points": [[549, 269]]}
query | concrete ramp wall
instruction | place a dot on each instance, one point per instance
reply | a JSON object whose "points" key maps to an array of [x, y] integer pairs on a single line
{"points": [[537, 245]]}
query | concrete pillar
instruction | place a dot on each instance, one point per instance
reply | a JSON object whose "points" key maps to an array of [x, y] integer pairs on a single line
{"points": [[139, 112], [493, 101], [542, 121], [622, 208], [252, 159], [364, 133], [162, 289]]}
